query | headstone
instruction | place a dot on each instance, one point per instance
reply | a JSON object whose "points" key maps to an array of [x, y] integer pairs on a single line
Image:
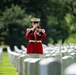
{"points": [[71, 51], [48, 55], [70, 70], [25, 66], [23, 48], [1, 51], [74, 56], [17, 50], [20, 63], [57, 56], [34, 66], [10, 54], [15, 59], [49, 66], [64, 53], [66, 61]]}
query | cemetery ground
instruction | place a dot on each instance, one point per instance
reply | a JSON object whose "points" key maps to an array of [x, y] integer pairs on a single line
{"points": [[6, 67]]}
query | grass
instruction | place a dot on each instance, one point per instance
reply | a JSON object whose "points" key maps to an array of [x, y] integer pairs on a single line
{"points": [[6, 67]]}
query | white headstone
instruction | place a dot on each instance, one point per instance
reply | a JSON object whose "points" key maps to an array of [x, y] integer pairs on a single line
{"points": [[49, 66], [34, 66], [66, 61], [25, 66], [70, 70], [20, 63], [74, 56]]}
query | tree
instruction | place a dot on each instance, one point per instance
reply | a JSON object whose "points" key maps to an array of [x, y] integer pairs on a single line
{"points": [[54, 16], [15, 22]]}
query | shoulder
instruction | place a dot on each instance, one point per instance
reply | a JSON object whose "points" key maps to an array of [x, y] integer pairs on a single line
{"points": [[28, 28]]}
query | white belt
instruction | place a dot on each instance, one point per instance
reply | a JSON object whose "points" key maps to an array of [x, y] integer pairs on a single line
{"points": [[38, 41]]}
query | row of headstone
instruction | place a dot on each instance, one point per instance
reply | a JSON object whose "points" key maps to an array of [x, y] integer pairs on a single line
{"points": [[1, 51], [68, 59], [26, 64], [68, 53]]}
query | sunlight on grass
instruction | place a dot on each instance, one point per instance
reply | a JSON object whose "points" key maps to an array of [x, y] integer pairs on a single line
{"points": [[6, 68]]}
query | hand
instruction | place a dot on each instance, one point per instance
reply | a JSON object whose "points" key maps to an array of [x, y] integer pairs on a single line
{"points": [[38, 30], [34, 27]]}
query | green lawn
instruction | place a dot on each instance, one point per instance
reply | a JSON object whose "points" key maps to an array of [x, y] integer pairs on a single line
{"points": [[6, 68]]}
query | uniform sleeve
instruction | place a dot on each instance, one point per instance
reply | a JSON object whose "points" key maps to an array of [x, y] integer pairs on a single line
{"points": [[43, 34], [29, 33]]}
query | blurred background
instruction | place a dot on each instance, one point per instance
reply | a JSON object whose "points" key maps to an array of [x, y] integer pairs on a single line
{"points": [[58, 18]]}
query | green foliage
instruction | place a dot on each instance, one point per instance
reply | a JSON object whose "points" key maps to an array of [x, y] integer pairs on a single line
{"points": [[14, 15], [71, 39], [57, 29], [58, 18], [15, 21]]}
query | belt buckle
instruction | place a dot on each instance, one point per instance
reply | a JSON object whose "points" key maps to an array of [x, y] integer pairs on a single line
{"points": [[35, 40]]}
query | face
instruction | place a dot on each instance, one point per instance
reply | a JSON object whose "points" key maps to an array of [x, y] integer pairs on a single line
{"points": [[35, 23]]}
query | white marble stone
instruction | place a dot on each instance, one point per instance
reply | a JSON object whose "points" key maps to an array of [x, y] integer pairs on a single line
{"points": [[64, 53], [57, 56], [26, 65], [23, 48], [66, 61], [71, 50], [15, 59], [20, 63], [48, 55], [70, 70], [49, 66], [74, 56], [16, 49], [1, 52], [34, 66], [10, 54]]}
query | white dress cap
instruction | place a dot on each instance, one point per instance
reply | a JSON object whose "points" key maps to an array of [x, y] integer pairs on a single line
{"points": [[35, 20]]}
